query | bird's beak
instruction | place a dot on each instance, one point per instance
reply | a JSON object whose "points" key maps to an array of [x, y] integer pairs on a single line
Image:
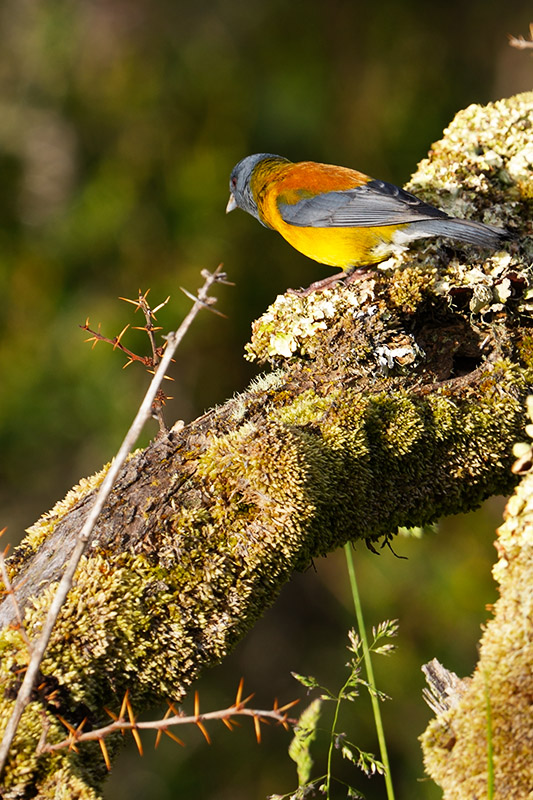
{"points": [[232, 204]]}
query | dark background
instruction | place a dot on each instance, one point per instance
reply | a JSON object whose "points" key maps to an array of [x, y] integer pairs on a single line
{"points": [[119, 125]]}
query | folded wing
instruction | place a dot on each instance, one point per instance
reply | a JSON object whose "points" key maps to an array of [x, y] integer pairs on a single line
{"points": [[374, 204]]}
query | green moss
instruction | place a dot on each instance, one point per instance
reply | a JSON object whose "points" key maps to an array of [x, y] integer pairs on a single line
{"points": [[409, 287], [525, 350], [306, 408]]}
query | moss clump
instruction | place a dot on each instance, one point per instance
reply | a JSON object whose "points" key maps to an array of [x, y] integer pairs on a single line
{"points": [[484, 159], [409, 288]]}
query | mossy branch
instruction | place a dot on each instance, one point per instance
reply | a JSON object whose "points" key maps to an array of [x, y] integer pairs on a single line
{"points": [[395, 400]]}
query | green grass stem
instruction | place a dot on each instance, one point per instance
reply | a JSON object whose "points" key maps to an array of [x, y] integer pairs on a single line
{"points": [[369, 670]]}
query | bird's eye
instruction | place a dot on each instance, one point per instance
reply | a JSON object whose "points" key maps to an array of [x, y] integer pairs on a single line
{"points": [[233, 183]]}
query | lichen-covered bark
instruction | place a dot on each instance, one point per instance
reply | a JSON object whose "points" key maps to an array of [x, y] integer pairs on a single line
{"points": [[395, 400], [495, 705]]}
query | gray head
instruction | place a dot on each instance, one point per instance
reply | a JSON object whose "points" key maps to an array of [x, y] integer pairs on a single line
{"points": [[241, 195]]}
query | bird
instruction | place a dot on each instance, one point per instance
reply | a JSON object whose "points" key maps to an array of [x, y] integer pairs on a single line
{"points": [[341, 217]]}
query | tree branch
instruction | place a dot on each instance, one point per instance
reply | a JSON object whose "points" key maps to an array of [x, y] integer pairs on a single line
{"points": [[395, 400]]}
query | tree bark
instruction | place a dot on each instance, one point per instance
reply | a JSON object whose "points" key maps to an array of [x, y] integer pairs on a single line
{"points": [[394, 400]]}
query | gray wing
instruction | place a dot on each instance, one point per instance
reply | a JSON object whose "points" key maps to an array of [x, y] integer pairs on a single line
{"points": [[375, 203]]}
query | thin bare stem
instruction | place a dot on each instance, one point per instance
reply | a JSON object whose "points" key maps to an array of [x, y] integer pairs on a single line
{"points": [[144, 413]]}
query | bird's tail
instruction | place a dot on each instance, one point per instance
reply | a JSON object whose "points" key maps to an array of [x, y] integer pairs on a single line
{"points": [[464, 230]]}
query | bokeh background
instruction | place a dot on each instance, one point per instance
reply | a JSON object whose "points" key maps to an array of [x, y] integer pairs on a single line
{"points": [[120, 121]]}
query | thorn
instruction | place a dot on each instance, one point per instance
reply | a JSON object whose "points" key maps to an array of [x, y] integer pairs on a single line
{"points": [[207, 303], [202, 728], [133, 302], [173, 709], [288, 705], [239, 692], [134, 731], [174, 737], [218, 275], [105, 754], [124, 706], [217, 312], [165, 377], [196, 704], [160, 306], [247, 699], [154, 329], [191, 296], [67, 725], [119, 337], [80, 726], [135, 734], [257, 726], [168, 712]]}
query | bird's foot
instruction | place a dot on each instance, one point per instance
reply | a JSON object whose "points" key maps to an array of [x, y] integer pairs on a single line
{"points": [[346, 276]]}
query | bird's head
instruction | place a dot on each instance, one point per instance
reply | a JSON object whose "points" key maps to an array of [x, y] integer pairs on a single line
{"points": [[241, 185]]}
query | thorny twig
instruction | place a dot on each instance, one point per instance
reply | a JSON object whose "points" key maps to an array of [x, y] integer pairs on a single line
{"points": [[149, 315], [126, 721], [150, 362], [39, 645]]}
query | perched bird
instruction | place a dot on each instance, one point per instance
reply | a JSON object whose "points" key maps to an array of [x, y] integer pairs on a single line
{"points": [[339, 216]]}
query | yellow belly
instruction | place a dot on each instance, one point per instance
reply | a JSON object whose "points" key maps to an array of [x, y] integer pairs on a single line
{"points": [[342, 247]]}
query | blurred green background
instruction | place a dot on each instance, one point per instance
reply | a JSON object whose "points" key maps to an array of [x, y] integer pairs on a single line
{"points": [[120, 121]]}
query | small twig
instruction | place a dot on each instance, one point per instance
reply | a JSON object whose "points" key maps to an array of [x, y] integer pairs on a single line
{"points": [[278, 715], [150, 362], [96, 336], [142, 416]]}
